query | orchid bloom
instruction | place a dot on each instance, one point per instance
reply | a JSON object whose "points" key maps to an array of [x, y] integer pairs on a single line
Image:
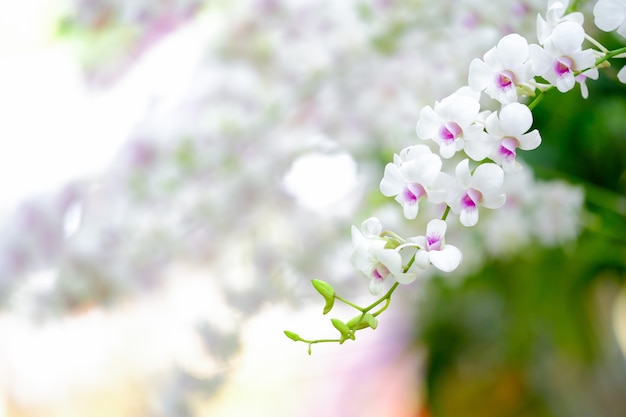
{"points": [[413, 176], [480, 188], [610, 15], [372, 256], [555, 15], [502, 69], [433, 250], [451, 122], [507, 132], [562, 56]]}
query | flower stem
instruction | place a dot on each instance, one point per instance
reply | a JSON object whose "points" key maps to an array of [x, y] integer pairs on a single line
{"points": [[351, 304], [610, 55], [445, 213]]}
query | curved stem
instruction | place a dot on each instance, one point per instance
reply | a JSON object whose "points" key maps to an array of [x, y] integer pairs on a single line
{"points": [[351, 304], [610, 55], [387, 302], [387, 296]]}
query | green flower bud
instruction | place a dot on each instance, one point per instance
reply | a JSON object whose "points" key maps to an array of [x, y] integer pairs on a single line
{"points": [[343, 329], [327, 292], [292, 336], [363, 321]]}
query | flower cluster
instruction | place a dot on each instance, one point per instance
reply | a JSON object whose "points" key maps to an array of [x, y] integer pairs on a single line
{"points": [[469, 143], [467, 150]]}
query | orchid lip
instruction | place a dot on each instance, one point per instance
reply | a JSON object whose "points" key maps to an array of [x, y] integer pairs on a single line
{"points": [[380, 272], [507, 147], [413, 192], [433, 242], [505, 79], [450, 131], [471, 198], [563, 66]]}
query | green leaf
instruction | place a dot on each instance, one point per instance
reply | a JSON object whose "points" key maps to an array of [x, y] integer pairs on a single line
{"points": [[327, 292], [292, 336]]}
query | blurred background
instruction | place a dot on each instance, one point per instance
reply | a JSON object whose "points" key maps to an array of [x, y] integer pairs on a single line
{"points": [[175, 172]]}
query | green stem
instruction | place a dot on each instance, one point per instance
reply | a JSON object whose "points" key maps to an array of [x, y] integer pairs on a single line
{"points": [[610, 55], [539, 97], [387, 302], [387, 296], [391, 234], [351, 304], [312, 342], [444, 215]]}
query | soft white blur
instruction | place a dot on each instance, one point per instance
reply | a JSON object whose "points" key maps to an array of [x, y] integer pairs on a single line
{"points": [[167, 194]]}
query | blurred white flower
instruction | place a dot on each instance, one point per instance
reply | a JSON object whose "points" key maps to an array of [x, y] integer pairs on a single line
{"points": [[610, 15]]}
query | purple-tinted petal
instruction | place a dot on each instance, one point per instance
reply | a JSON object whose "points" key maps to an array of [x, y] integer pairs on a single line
{"points": [[436, 227], [410, 209]]}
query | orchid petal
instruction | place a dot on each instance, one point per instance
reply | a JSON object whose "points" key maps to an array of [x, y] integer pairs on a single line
{"points": [[447, 259]]}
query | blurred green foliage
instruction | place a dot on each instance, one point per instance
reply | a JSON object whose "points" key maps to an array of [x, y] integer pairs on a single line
{"points": [[533, 335]]}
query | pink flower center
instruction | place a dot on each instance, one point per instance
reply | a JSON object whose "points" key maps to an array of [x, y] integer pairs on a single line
{"points": [[508, 146], [412, 193], [433, 242], [505, 79], [471, 198], [563, 65], [450, 131], [380, 272]]}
